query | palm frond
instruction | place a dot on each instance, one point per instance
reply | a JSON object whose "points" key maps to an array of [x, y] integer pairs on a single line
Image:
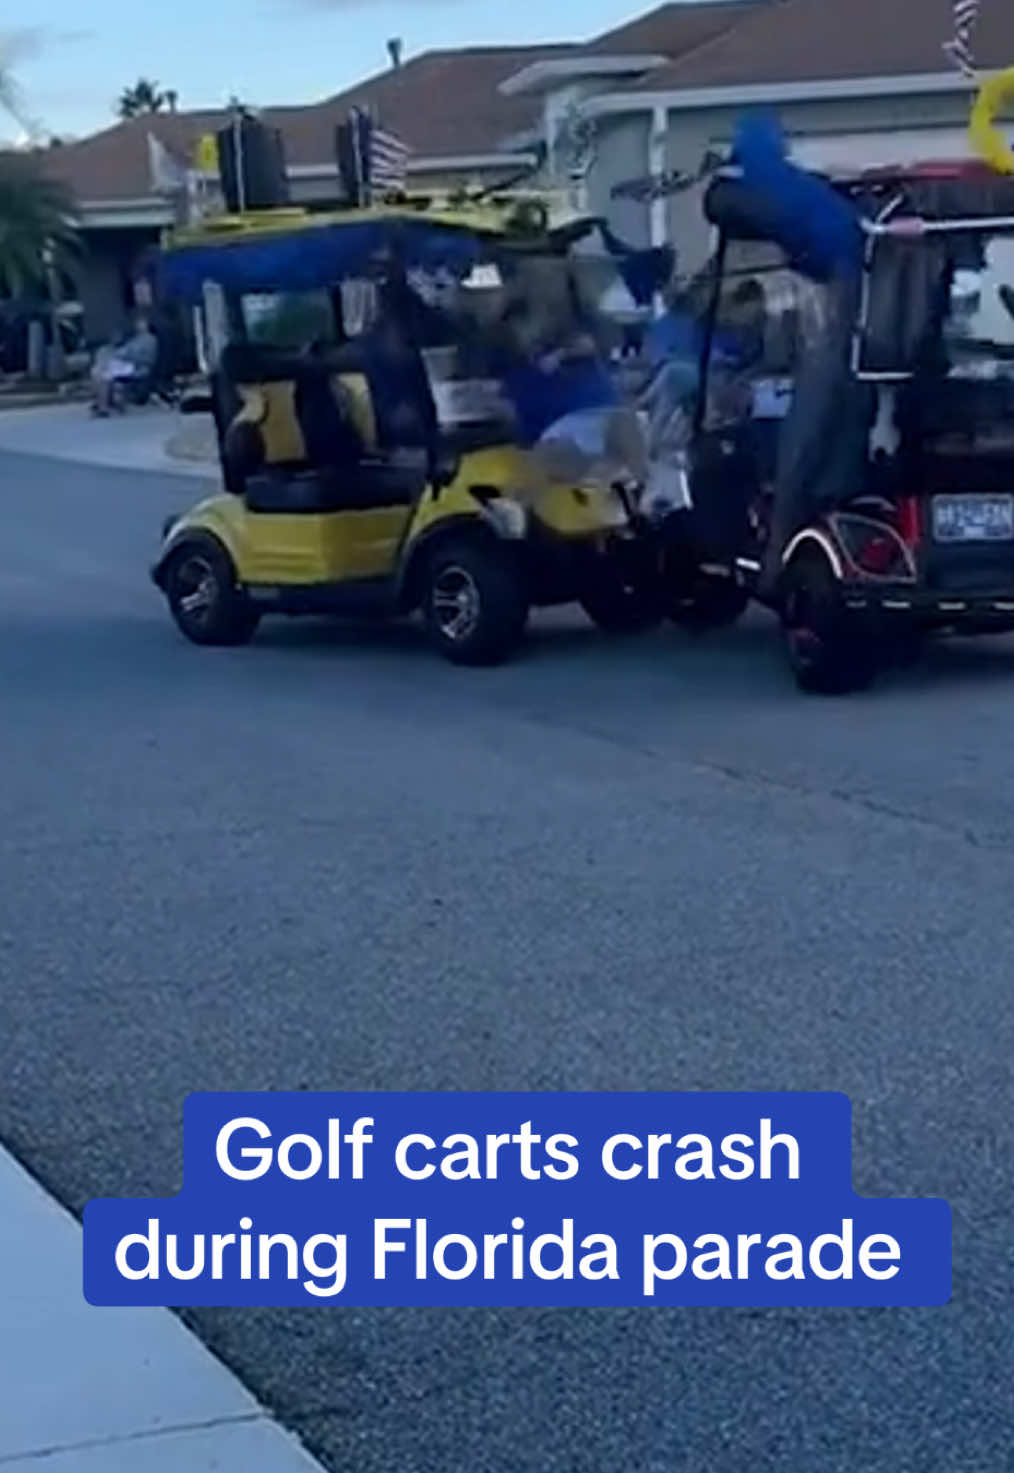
{"points": [[36, 216], [17, 46]]}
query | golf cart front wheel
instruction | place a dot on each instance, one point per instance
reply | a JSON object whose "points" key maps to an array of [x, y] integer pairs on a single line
{"points": [[474, 603], [829, 651], [618, 602], [712, 603], [206, 605]]}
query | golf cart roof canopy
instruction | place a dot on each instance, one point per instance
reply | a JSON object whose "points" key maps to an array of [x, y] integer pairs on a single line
{"points": [[294, 250], [941, 195], [925, 198]]}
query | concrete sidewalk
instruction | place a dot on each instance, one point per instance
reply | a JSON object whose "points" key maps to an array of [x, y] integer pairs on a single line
{"points": [[86, 1390], [149, 439]]}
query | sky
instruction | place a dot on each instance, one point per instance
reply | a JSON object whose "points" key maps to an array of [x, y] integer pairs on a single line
{"points": [[73, 64]]}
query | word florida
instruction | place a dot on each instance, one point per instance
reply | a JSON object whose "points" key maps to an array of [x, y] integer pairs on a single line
{"points": [[407, 1249]]}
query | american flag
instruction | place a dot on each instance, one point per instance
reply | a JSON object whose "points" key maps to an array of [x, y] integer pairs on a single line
{"points": [[371, 160], [388, 162], [959, 47]]}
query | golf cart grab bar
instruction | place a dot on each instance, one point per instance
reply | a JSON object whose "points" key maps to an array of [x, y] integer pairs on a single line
{"points": [[915, 225]]}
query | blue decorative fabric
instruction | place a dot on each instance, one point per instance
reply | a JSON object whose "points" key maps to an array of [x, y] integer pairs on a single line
{"points": [[306, 260], [816, 227], [644, 272]]}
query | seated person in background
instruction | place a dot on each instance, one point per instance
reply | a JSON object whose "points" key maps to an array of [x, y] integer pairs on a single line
{"points": [[133, 357]]}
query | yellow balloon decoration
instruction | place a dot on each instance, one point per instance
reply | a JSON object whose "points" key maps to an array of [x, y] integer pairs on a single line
{"points": [[991, 144]]}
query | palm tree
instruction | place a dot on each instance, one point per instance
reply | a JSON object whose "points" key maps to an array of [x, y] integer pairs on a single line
{"points": [[144, 97], [36, 226]]}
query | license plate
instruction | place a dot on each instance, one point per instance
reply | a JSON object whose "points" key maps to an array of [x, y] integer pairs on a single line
{"points": [[973, 518]]}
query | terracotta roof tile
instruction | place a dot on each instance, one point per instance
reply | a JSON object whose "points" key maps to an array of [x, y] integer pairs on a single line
{"points": [[676, 29], [804, 40], [113, 164], [448, 102], [441, 103]]}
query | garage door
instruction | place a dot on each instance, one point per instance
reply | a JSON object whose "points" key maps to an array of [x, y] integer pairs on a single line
{"points": [[874, 150]]}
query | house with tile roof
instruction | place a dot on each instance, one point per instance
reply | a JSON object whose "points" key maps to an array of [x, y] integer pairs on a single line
{"points": [[639, 108], [855, 83], [463, 125]]}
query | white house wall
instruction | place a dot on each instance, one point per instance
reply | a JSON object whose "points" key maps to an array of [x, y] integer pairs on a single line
{"points": [[906, 146], [823, 135], [621, 153]]}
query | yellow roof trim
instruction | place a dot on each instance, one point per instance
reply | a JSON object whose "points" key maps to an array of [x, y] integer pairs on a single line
{"points": [[221, 229]]}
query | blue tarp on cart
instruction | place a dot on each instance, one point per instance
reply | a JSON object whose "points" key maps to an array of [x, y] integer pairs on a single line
{"points": [[308, 259]]}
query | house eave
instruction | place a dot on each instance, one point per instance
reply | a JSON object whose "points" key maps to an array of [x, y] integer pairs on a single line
{"points": [[689, 99], [541, 76], [148, 211]]}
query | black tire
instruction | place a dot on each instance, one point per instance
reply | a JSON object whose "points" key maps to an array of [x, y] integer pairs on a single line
{"points": [[829, 651], [474, 602], [204, 600], [712, 603], [618, 603]]}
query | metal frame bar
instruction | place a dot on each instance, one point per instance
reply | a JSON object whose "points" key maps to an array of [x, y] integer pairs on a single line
{"points": [[890, 226], [912, 226], [707, 342]]}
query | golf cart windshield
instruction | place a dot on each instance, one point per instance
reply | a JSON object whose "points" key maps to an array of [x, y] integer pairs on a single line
{"points": [[514, 307]]}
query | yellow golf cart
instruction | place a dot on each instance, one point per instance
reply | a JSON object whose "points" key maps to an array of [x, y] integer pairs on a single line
{"points": [[369, 466]]}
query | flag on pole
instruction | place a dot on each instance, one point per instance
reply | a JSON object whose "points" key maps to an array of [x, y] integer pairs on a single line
{"points": [[959, 48], [371, 161], [168, 174], [388, 162], [206, 154]]}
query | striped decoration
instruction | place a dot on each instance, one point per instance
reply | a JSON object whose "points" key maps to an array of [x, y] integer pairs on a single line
{"points": [[388, 162], [959, 47]]}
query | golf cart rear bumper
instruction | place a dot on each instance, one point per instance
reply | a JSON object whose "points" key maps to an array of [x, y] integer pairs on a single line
{"points": [[928, 605]]}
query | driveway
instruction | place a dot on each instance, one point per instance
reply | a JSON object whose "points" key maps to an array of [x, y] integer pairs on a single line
{"points": [[150, 439]]}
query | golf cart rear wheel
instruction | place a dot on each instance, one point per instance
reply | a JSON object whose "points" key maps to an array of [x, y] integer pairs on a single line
{"points": [[206, 604], [829, 652], [474, 602], [712, 603]]}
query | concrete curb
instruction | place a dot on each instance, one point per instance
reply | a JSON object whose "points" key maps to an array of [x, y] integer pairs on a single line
{"points": [[90, 1390], [40, 400], [195, 443]]}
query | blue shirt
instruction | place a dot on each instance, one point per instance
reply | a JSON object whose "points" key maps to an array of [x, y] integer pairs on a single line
{"points": [[676, 335], [542, 397]]}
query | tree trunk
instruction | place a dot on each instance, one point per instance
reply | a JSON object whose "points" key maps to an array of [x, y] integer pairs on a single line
{"points": [[56, 364], [36, 363]]}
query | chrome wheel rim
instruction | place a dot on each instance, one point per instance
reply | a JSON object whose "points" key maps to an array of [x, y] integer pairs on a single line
{"points": [[196, 590], [456, 604]]}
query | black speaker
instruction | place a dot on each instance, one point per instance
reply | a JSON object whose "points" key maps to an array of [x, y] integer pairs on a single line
{"points": [[352, 150], [260, 153]]}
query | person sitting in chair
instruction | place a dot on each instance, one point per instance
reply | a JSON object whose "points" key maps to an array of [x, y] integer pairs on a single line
{"points": [[133, 357]]}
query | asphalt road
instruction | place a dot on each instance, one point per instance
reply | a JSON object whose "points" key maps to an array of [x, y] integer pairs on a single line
{"points": [[331, 861]]}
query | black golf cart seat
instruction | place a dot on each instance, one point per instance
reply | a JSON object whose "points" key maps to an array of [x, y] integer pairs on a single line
{"points": [[307, 436]]}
